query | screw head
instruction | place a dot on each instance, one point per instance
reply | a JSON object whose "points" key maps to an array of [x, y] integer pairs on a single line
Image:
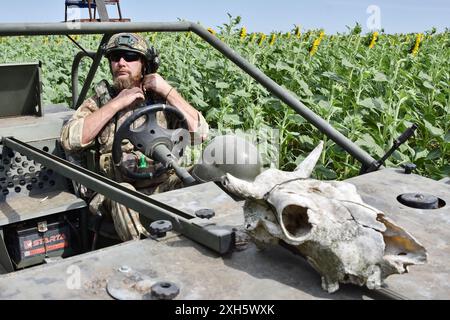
{"points": [[160, 227], [205, 213], [42, 226], [409, 167], [124, 269], [164, 290]]}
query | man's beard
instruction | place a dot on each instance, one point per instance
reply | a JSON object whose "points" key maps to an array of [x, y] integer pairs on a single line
{"points": [[126, 83]]}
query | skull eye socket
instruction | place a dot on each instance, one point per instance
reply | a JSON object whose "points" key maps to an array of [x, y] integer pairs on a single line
{"points": [[296, 220]]}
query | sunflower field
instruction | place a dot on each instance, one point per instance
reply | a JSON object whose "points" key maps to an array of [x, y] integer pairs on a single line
{"points": [[370, 87]]}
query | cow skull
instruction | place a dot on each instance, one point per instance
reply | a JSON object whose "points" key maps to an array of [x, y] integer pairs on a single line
{"points": [[343, 238]]}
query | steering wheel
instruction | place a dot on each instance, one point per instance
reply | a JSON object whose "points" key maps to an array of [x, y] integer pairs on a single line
{"points": [[158, 143]]}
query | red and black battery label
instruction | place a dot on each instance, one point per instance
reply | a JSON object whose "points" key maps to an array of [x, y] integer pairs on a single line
{"points": [[52, 243]]}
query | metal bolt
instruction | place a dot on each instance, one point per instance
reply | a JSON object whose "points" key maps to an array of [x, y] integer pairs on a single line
{"points": [[42, 226], [164, 290], [205, 213], [124, 269], [160, 227], [409, 167]]}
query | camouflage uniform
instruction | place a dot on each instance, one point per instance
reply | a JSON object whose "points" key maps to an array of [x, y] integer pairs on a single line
{"points": [[126, 221]]}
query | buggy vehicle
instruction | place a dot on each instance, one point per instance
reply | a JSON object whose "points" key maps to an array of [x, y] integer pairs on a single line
{"points": [[45, 228]]}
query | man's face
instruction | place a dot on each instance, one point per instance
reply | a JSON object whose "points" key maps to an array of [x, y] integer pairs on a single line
{"points": [[126, 68]]}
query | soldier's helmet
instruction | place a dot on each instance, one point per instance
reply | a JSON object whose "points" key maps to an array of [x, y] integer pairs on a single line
{"points": [[135, 43], [128, 42], [228, 154]]}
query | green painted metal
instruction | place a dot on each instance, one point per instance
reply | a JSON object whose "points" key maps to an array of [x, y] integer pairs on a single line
{"points": [[20, 90]]}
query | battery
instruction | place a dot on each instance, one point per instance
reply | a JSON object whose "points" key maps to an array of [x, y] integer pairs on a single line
{"points": [[27, 246]]}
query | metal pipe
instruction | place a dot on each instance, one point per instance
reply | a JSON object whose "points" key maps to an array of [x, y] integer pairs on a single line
{"points": [[162, 154], [74, 76], [91, 74], [43, 29], [102, 11], [285, 96], [77, 44], [215, 237]]}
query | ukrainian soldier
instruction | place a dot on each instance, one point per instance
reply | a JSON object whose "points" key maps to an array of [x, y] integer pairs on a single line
{"points": [[93, 125]]}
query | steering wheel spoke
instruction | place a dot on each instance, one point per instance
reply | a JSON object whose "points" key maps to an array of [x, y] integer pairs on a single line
{"points": [[150, 122], [147, 137]]}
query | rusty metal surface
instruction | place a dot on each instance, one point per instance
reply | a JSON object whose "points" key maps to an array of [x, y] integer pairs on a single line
{"points": [[128, 284], [32, 128], [248, 274], [205, 196], [430, 227], [199, 273], [44, 204]]}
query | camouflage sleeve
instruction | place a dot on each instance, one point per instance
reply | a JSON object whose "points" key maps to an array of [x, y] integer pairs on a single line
{"points": [[71, 132]]}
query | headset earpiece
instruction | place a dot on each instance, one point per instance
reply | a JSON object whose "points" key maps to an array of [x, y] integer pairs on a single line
{"points": [[153, 60]]}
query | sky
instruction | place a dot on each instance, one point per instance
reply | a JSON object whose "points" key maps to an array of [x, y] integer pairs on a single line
{"points": [[400, 16]]}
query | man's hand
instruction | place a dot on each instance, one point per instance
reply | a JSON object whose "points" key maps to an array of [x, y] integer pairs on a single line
{"points": [[128, 97], [94, 122], [154, 82]]}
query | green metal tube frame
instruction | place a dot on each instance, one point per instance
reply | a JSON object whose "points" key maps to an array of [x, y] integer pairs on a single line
{"points": [[218, 238], [74, 76]]}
